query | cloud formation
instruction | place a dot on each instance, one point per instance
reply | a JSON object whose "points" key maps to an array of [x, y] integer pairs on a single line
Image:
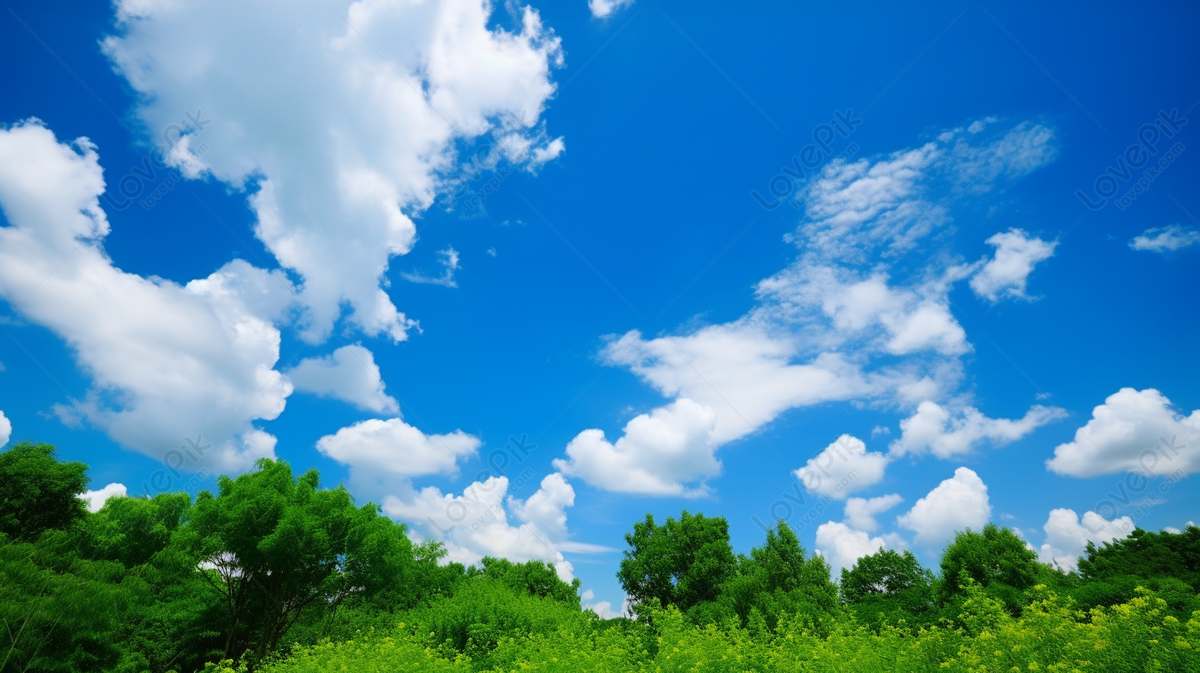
{"points": [[933, 429], [1135, 431], [956, 504], [167, 362], [1067, 536], [660, 453], [841, 468], [1165, 239], [96, 499], [860, 512], [375, 447], [348, 374], [1007, 272], [346, 130], [476, 523], [5, 429]]}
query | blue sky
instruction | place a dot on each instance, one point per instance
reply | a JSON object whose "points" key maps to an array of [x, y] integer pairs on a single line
{"points": [[522, 275]]}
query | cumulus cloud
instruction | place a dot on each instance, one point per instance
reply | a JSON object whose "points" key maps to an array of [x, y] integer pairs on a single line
{"points": [[660, 453], [955, 504], [349, 374], [602, 9], [375, 447], [96, 499], [841, 468], [934, 429], [1165, 239], [347, 129], [1067, 536], [860, 512], [1006, 273], [1133, 431], [5, 429], [476, 523], [166, 361], [450, 264], [842, 545]]}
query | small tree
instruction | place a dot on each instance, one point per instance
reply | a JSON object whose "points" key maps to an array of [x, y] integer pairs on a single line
{"points": [[996, 559]]}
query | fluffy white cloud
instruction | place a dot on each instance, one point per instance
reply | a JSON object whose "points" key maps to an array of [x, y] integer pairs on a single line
{"points": [[476, 523], [955, 504], [346, 129], [1007, 272], [349, 374], [1165, 239], [167, 362], [932, 428], [841, 468], [842, 545], [602, 9], [1067, 536], [659, 454], [5, 429], [742, 372], [393, 447], [1133, 431], [96, 499], [860, 512]]}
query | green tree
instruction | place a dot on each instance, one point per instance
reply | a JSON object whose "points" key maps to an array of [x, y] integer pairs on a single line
{"points": [[535, 578], [682, 562], [995, 559], [37, 492], [779, 578], [884, 573], [273, 547]]}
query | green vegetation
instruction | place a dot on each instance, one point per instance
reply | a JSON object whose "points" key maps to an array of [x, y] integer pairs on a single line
{"points": [[273, 573]]}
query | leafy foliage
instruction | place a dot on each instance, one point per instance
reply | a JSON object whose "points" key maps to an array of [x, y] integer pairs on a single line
{"points": [[275, 574]]}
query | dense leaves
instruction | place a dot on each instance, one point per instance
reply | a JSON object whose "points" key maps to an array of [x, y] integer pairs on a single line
{"points": [[274, 573]]}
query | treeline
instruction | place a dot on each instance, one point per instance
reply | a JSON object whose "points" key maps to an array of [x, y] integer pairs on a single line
{"points": [[274, 573]]}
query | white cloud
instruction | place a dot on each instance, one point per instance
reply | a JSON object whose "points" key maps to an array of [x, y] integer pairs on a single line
{"points": [[603, 609], [1133, 431], [860, 512], [842, 545], [602, 9], [933, 429], [5, 429], [349, 374], [1165, 239], [476, 523], [844, 322], [450, 264], [841, 468], [167, 362], [346, 130], [659, 454], [374, 447], [96, 499], [1005, 275], [1066, 536], [953, 505]]}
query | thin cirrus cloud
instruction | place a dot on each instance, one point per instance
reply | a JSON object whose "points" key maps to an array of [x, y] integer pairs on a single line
{"points": [[1165, 239], [849, 320]]}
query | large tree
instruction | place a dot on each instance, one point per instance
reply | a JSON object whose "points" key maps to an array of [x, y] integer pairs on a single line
{"points": [[37, 492], [682, 562]]}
